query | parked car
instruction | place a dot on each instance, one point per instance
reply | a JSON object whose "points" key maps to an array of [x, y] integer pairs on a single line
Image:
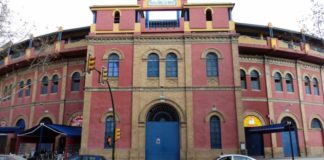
{"points": [[234, 157], [11, 157], [86, 157]]}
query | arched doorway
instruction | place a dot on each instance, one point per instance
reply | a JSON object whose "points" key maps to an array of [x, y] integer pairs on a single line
{"points": [[254, 141], [21, 124], [46, 120], [162, 133], [290, 148]]}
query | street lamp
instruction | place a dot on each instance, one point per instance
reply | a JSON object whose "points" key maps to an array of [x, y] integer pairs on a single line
{"points": [[290, 140]]}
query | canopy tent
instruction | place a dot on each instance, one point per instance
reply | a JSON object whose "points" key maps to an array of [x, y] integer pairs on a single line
{"points": [[6, 130], [271, 128], [51, 130]]}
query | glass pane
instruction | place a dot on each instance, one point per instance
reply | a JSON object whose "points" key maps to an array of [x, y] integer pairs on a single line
{"points": [[215, 132], [171, 65]]}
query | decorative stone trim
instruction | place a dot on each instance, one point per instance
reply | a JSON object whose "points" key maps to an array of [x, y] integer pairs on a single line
{"points": [[317, 117], [107, 114], [113, 51], [256, 114], [290, 115], [214, 113], [23, 117]]}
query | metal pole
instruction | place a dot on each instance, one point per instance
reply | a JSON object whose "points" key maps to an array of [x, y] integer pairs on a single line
{"points": [[114, 120], [291, 145], [40, 138]]}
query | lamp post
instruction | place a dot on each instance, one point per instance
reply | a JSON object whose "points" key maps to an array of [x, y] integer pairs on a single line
{"points": [[114, 120], [290, 140]]}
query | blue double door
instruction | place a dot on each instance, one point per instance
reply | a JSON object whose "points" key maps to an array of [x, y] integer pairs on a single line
{"points": [[289, 147], [162, 140]]}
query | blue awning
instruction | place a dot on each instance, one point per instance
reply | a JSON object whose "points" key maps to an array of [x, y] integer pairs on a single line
{"points": [[51, 130], [6, 130], [270, 128], [66, 130]]}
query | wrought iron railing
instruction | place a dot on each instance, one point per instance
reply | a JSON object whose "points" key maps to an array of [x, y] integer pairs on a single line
{"points": [[162, 24]]}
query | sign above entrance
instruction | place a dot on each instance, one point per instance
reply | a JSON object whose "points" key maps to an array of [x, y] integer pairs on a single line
{"points": [[162, 2], [252, 121]]}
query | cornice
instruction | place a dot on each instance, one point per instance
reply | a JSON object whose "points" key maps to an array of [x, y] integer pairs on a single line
{"points": [[309, 66], [251, 59], [281, 61], [215, 37]]}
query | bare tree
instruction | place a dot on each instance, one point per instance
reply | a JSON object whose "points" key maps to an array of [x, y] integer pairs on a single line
{"points": [[12, 27], [313, 23]]}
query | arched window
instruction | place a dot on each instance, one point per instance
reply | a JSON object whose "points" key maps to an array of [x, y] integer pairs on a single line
{"points": [[21, 124], [171, 65], [307, 85], [21, 89], [153, 68], [28, 84], [215, 133], [255, 80], [278, 82], [117, 17], [44, 86], [316, 123], [289, 83], [212, 65], [243, 79], [209, 16], [75, 82], [55, 81], [315, 86], [113, 65], [46, 120], [109, 128]]}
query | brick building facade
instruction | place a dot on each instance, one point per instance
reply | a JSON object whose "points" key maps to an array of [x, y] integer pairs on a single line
{"points": [[195, 83]]}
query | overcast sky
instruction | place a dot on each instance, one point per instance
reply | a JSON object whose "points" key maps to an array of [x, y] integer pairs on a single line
{"points": [[48, 15]]}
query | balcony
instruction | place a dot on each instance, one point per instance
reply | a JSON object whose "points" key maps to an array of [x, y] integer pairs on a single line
{"points": [[162, 24]]}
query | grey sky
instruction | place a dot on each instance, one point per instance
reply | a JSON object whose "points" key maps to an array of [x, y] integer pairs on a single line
{"points": [[48, 15]]}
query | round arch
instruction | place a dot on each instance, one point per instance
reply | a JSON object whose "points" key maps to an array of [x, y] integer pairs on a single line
{"points": [[49, 116], [215, 113], [113, 51], [156, 51], [175, 51], [211, 50], [75, 114], [275, 71], [23, 117], [288, 72], [108, 114], [256, 114], [316, 116], [253, 68], [290, 115], [246, 72], [208, 8], [149, 106]]}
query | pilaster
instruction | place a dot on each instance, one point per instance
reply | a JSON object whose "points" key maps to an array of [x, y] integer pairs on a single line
{"points": [[34, 91], [322, 80], [267, 73], [302, 106], [63, 91], [13, 98], [188, 101], [238, 93], [86, 107]]}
